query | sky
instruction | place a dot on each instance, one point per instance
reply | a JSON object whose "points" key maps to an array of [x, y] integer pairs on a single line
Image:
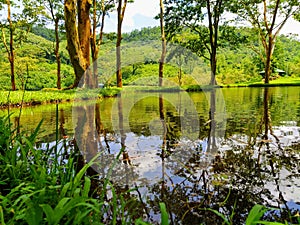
{"points": [[138, 14], [141, 13]]}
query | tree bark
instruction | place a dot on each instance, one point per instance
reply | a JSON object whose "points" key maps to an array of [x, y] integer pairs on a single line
{"points": [[95, 44], [164, 44], [84, 34], [213, 25], [57, 55], [11, 54], [79, 54], [121, 11]]}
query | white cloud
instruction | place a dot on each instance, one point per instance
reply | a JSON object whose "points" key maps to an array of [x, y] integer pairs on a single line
{"points": [[139, 9]]}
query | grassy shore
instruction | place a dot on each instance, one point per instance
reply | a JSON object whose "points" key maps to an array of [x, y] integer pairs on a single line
{"points": [[282, 81], [17, 98]]}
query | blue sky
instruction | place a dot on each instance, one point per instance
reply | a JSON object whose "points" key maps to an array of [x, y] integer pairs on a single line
{"points": [[141, 13]]}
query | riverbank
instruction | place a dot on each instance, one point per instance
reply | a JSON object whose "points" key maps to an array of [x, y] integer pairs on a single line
{"points": [[281, 82], [45, 96]]}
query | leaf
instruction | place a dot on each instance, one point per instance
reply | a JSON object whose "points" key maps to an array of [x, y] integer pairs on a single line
{"points": [[268, 223], [49, 213], [64, 190], [139, 221], [34, 214], [219, 214], [164, 214], [1, 216], [255, 214], [86, 187], [79, 176]]}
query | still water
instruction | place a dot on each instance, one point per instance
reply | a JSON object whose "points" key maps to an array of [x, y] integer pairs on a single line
{"points": [[224, 149]]}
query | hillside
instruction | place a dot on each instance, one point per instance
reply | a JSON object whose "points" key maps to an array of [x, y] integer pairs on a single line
{"points": [[35, 65], [141, 53]]}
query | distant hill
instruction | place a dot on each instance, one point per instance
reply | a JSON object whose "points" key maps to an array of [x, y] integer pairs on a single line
{"points": [[141, 54]]}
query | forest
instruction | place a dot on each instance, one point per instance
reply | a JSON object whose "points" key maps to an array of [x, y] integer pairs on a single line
{"points": [[43, 57], [36, 63]]}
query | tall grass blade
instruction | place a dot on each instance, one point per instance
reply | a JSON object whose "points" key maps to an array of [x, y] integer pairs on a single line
{"points": [[164, 214], [49, 213], [86, 187], [139, 221], [255, 214], [2, 216], [219, 214]]}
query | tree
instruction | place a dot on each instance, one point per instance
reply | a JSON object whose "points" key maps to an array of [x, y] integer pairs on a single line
{"points": [[120, 14], [78, 38], [18, 26], [56, 14], [191, 15], [100, 10], [267, 18], [163, 45]]}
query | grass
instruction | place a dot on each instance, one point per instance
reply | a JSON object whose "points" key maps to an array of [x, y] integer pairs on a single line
{"points": [[16, 98], [282, 81], [47, 186]]}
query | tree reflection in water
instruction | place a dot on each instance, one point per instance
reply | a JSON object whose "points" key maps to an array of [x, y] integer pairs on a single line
{"points": [[246, 170]]}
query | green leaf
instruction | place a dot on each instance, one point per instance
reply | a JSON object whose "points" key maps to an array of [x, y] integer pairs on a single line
{"points": [[139, 221], [255, 214], [49, 213], [164, 214], [34, 214], [87, 187], [1, 216], [64, 190], [268, 223], [219, 214]]}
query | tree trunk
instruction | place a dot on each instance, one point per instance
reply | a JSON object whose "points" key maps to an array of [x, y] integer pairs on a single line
{"points": [[269, 54], [213, 37], [78, 54], [121, 11], [95, 45], [164, 45], [118, 46], [84, 34], [57, 55], [11, 55], [213, 65]]}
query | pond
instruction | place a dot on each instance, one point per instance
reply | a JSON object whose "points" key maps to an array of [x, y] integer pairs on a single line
{"points": [[224, 149]]}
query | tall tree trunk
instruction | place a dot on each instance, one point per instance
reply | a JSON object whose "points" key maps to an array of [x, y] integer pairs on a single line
{"points": [[118, 45], [213, 25], [11, 55], [84, 28], [121, 11], [57, 55], [95, 45], [269, 54], [213, 65], [164, 45], [79, 55]]}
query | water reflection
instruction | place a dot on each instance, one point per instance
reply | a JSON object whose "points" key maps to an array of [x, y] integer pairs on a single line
{"points": [[145, 142]]}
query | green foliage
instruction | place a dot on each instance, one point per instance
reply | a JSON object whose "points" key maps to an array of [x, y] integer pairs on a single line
{"points": [[237, 64], [44, 32], [145, 34]]}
